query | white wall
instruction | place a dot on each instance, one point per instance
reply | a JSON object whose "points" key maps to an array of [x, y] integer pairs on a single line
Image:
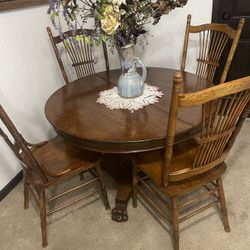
{"points": [[29, 73]]}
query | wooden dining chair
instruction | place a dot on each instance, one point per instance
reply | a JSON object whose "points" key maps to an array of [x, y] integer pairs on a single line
{"points": [[172, 177], [79, 51], [47, 164], [213, 39]]}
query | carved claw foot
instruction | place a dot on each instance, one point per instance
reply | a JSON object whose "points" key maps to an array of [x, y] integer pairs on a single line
{"points": [[119, 212]]}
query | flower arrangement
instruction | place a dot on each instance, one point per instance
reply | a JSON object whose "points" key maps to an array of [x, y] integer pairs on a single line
{"points": [[120, 21]]}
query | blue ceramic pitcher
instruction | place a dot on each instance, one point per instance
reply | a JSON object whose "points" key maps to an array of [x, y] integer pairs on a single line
{"points": [[130, 83]]}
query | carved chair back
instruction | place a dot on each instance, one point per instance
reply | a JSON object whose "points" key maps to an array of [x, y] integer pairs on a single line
{"points": [[222, 108], [213, 39], [79, 52], [19, 146]]}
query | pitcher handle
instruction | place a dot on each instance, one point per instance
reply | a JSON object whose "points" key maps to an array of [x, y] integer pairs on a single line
{"points": [[144, 70]]}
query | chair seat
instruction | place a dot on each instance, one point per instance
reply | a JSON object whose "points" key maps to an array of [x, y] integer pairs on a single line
{"points": [[151, 163], [57, 157]]}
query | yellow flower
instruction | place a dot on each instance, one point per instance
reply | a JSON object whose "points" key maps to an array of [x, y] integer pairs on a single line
{"points": [[111, 20]]}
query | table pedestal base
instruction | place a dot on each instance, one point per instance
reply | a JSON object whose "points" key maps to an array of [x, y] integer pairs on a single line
{"points": [[120, 168], [119, 212]]}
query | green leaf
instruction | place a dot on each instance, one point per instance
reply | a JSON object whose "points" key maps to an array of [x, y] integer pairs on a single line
{"points": [[97, 41], [99, 13], [104, 38], [73, 15], [87, 39], [54, 14], [79, 38], [66, 43]]}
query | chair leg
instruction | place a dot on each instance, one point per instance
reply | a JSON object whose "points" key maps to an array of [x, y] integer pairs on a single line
{"points": [[175, 222], [25, 191], [223, 205], [103, 186], [135, 182], [42, 207]]}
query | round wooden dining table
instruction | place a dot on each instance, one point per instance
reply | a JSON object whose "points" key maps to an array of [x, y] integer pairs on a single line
{"points": [[75, 115]]}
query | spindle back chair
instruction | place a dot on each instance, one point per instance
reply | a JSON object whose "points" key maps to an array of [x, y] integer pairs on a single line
{"points": [[46, 165], [213, 39], [79, 51], [199, 162]]}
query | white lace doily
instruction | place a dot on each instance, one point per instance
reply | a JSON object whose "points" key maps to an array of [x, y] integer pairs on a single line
{"points": [[112, 100]]}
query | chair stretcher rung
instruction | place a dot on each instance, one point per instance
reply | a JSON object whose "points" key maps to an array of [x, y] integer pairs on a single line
{"points": [[211, 191], [153, 204], [72, 202], [71, 190], [144, 178], [198, 211], [214, 195]]}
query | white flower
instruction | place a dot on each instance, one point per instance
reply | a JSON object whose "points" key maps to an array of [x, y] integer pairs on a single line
{"points": [[118, 2], [122, 12], [116, 8]]}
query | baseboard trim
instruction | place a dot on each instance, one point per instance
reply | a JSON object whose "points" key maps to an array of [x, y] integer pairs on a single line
{"points": [[4, 192]]}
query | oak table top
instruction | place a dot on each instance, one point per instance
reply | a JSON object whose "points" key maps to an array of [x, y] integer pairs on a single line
{"points": [[74, 113]]}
